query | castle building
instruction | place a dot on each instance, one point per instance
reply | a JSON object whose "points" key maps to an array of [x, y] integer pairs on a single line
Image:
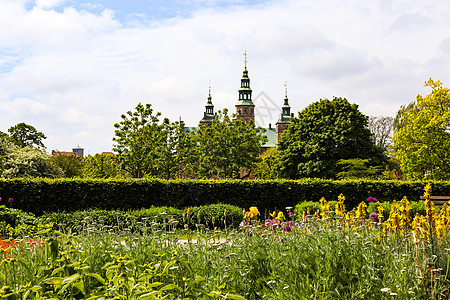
{"points": [[245, 110], [285, 117], [208, 115], [77, 151]]}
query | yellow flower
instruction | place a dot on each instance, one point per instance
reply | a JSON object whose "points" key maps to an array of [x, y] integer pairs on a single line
{"points": [[273, 214], [253, 212], [340, 207], [280, 215]]}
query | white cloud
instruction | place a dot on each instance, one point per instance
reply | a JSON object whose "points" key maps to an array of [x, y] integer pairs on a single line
{"points": [[72, 73], [47, 4]]}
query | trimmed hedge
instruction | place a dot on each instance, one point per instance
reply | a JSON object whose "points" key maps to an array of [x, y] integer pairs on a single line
{"points": [[47, 195]]}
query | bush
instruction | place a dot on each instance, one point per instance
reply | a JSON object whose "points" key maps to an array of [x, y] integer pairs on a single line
{"points": [[417, 207], [312, 206], [233, 216], [114, 220], [138, 220], [14, 222]]}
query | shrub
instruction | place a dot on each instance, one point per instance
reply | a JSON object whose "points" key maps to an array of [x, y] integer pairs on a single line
{"points": [[46, 195], [114, 220], [312, 206], [417, 207], [14, 222], [217, 211]]}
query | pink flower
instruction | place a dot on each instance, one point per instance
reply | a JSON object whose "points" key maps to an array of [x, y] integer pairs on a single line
{"points": [[372, 199], [374, 217]]}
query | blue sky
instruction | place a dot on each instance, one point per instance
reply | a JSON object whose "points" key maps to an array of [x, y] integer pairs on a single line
{"points": [[71, 68], [148, 11]]}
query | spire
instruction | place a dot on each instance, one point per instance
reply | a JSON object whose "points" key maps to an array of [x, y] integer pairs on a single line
{"points": [[285, 90], [208, 115], [285, 118], [209, 94], [245, 92], [285, 109], [245, 59], [245, 106]]}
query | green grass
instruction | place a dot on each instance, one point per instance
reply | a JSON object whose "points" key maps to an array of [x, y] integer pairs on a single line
{"points": [[313, 261]]}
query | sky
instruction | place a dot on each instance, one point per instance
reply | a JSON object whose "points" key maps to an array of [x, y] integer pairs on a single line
{"points": [[72, 68]]}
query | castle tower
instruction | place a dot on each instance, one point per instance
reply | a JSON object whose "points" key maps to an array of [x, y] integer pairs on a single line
{"points": [[208, 115], [78, 151], [285, 117], [245, 109]]}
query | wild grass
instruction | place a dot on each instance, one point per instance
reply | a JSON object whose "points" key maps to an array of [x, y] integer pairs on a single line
{"points": [[318, 259]]}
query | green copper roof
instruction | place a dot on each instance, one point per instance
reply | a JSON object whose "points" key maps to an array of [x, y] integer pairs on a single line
{"points": [[247, 102], [272, 138]]}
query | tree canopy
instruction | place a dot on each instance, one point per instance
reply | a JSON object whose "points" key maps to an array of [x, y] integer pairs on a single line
{"points": [[422, 135], [100, 166], [71, 165], [225, 148], [322, 134], [25, 162], [145, 146], [26, 135]]}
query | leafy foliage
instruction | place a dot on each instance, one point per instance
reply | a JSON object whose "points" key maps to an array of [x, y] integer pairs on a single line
{"points": [[265, 167], [357, 168], [422, 137], [322, 134], [26, 135], [28, 162], [46, 195], [71, 165], [100, 166], [15, 222], [144, 146], [225, 148], [213, 216]]}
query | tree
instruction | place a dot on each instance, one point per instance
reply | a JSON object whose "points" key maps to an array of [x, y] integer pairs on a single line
{"points": [[322, 134], [382, 129], [28, 162], [265, 166], [26, 135], [100, 166], [144, 146], [225, 148], [72, 165], [422, 136], [357, 168]]}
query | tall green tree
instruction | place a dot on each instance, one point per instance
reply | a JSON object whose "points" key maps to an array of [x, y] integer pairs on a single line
{"points": [[422, 135], [226, 148], [145, 146], [26, 135], [100, 166], [265, 166], [322, 134], [169, 154], [72, 165]]}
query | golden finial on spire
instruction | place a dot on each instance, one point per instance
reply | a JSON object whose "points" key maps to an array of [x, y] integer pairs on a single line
{"points": [[245, 59], [285, 88], [210, 87]]}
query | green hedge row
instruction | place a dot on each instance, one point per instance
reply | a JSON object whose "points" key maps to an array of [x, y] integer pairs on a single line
{"points": [[46, 195]]}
